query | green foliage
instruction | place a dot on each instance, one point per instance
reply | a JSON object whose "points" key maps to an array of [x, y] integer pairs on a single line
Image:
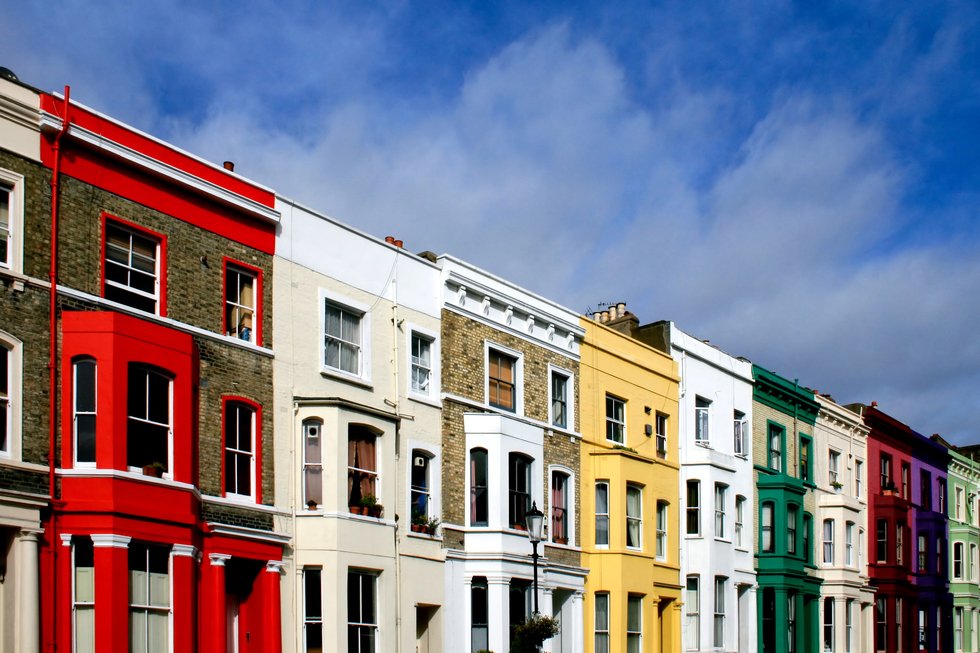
{"points": [[529, 636]]}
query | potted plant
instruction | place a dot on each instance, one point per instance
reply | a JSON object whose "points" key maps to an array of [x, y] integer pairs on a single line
{"points": [[837, 485], [311, 505], [419, 523], [431, 525], [154, 469], [371, 507]]}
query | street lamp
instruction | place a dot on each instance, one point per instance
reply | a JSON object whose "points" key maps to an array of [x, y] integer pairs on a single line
{"points": [[534, 519]]}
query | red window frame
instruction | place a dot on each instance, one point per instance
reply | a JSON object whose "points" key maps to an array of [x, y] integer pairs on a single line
{"points": [[161, 263], [225, 262], [225, 400]]}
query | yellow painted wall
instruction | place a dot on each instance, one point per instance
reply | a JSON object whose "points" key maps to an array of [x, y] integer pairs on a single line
{"points": [[647, 380]]}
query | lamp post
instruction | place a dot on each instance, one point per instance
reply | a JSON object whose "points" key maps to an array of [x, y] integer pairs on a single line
{"points": [[534, 519]]}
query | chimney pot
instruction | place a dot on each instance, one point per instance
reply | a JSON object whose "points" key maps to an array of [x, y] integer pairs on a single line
{"points": [[399, 243], [390, 240], [229, 166], [621, 309]]}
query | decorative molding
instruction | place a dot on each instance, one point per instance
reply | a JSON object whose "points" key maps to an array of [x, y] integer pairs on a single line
{"points": [[111, 541], [218, 559], [183, 550]]}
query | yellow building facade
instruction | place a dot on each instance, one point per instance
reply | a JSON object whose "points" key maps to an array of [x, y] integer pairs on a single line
{"points": [[630, 499]]}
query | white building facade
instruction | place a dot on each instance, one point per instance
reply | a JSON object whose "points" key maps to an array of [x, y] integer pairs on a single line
{"points": [[510, 379], [358, 450], [716, 493], [840, 446]]}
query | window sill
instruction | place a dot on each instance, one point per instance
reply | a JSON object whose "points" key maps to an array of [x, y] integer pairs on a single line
{"points": [[425, 399], [340, 375], [704, 443], [424, 536]]}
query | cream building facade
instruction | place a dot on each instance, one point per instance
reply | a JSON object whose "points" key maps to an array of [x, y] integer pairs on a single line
{"points": [[357, 431]]}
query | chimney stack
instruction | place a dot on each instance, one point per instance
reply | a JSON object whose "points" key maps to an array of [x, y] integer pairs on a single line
{"points": [[229, 166]]}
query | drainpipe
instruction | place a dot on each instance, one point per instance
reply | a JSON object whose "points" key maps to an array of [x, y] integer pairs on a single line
{"points": [[53, 359]]}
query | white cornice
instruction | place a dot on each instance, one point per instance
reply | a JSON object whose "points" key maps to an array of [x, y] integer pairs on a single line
{"points": [[138, 159]]}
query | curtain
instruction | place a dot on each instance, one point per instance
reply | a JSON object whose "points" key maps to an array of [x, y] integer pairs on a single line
{"points": [[558, 506], [361, 465], [633, 510]]}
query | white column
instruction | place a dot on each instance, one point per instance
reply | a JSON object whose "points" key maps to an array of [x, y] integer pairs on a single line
{"points": [[499, 617], [545, 608], [28, 606], [577, 631]]}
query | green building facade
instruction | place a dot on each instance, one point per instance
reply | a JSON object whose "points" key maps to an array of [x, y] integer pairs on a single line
{"points": [[788, 590], [964, 545]]}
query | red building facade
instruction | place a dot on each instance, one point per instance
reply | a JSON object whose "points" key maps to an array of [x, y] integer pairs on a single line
{"points": [[160, 534]]}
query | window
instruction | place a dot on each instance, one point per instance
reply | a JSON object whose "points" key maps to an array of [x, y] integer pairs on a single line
{"points": [[479, 507], [10, 401], [362, 618], [701, 408], [958, 560], [148, 432], [312, 611], [240, 444], [615, 419], [693, 507], [661, 435], [899, 542], [791, 517], [559, 507], [973, 563], [634, 517], [662, 507], [312, 463], [634, 624], [83, 413], [149, 598], [132, 267], [362, 475], [721, 497], [923, 626], [421, 489], [881, 624], [958, 504], [502, 381], [833, 463], [828, 624], [739, 519], [775, 448], [828, 541], [421, 363], [807, 530], [242, 290], [925, 489], [805, 471], [957, 629], [941, 495], [741, 434], [601, 622], [83, 595], [858, 476], [519, 487], [906, 471], [768, 638], [923, 553], [519, 608], [559, 399], [479, 615], [882, 541], [767, 539], [849, 544], [692, 604], [602, 513], [885, 464], [11, 219], [791, 622], [719, 622], [342, 338], [848, 625]]}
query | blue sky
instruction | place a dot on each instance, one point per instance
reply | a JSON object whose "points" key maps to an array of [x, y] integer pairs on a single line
{"points": [[797, 182]]}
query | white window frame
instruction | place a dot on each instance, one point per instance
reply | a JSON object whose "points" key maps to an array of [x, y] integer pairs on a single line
{"points": [[958, 503], [76, 411], [958, 628], [692, 612], [858, 481], [829, 526], [375, 578], [601, 630], [305, 424], [77, 605], [636, 633], [702, 420], [718, 623], [430, 451], [621, 424], [958, 560], [833, 468], [569, 397], [598, 515], [170, 418], [663, 527], [695, 509], [147, 607], [569, 501], [721, 498], [849, 543], [363, 374], [435, 381], [15, 248], [973, 563], [253, 476], [313, 620], [14, 399], [157, 295], [828, 623], [518, 357], [739, 520], [849, 626], [638, 519], [740, 428], [660, 428]]}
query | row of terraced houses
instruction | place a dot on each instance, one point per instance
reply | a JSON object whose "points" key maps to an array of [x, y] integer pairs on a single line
{"points": [[231, 423]]}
